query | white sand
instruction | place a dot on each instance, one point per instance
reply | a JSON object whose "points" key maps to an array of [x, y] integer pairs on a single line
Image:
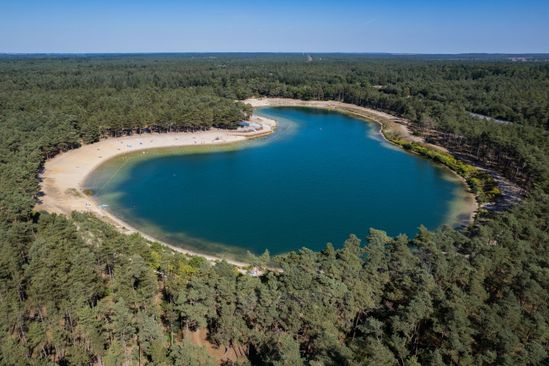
{"points": [[64, 175]]}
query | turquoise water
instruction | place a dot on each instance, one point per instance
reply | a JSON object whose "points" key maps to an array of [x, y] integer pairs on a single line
{"points": [[321, 176]]}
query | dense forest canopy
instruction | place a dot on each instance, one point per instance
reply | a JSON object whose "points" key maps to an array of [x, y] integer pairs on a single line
{"points": [[74, 291]]}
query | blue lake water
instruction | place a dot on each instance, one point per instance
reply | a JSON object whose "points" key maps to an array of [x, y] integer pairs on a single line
{"points": [[321, 176]]}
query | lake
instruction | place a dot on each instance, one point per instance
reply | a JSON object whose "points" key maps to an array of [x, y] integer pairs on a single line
{"points": [[321, 176]]}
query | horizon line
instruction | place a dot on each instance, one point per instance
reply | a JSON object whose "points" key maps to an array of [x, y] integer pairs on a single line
{"points": [[268, 52]]}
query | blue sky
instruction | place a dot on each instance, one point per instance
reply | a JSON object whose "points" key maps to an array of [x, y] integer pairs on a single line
{"points": [[444, 26]]}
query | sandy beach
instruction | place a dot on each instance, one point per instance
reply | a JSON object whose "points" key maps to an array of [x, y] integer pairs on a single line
{"points": [[64, 175]]}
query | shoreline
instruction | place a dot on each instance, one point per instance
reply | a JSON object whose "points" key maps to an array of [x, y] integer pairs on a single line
{"points": [[63, 176], [387, 123]]}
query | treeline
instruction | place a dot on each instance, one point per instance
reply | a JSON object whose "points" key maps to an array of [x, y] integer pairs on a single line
{"points": [[93, 113], [73, 291], [115, 95], [516, 92], [89, 295], [517, 152]]}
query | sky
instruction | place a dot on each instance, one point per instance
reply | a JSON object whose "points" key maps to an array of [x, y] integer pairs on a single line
{"points": [[397, 26]]}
